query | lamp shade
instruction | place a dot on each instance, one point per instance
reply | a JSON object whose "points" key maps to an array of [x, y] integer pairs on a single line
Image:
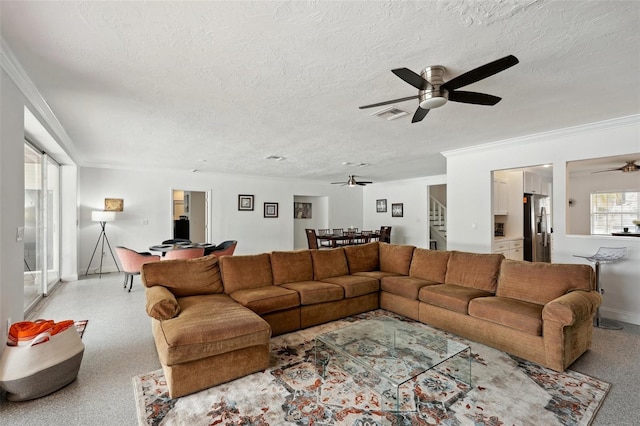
{"points": [[102, 216]]}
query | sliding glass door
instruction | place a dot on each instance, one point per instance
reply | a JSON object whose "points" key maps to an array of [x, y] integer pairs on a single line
{"points": [[41, 225]]}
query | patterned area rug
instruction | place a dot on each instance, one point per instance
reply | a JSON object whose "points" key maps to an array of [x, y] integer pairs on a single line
{"points": [[505, 390]]}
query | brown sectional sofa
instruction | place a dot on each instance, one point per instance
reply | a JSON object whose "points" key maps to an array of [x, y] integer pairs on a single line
{"points": [[212, 318]]}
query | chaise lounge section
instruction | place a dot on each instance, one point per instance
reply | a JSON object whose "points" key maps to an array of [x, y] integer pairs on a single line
{"points": [[210, 312]]}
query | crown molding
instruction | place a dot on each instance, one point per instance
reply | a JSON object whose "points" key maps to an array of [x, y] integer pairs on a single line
{"points": [[537, 137], [16, 72]]}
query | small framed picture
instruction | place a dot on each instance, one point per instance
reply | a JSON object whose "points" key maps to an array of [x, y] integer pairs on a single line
{"points": [[270, 209], [397, 209], [381, 206], [113, 204], [302, 210], [245, 202]]}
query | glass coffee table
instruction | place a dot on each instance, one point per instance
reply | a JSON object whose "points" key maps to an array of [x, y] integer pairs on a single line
{"points": [[385, 354]]}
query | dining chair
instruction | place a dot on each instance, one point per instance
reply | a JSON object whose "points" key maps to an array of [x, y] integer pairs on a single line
{"points": [[312, 240], [177, 241], [324, 243], [385, 234], [225, 248], [184, 253], [132, 261], [365, 237]]}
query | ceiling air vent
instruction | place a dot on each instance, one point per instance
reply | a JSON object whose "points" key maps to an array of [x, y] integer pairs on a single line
{"points": [[390, 113]]}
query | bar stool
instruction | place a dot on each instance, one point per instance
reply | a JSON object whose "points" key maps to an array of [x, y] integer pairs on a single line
{"points": [[602, 256]]}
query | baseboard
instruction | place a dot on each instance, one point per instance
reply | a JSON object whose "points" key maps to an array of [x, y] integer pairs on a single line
{"points": [[618, 315]]}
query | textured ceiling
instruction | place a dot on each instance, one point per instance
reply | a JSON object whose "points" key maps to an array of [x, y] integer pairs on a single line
{"points": [[219, 86]]}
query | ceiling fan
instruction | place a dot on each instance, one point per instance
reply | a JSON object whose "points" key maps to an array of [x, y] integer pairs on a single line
{"points": [[629, 167], [352, 182], [433, 91]]}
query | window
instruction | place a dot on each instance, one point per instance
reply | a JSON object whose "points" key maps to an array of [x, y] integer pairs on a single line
{"points": [[613, 211]]}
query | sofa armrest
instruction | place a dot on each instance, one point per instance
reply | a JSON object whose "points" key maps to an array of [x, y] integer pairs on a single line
{"points": [[572, 308], [161, 303]]}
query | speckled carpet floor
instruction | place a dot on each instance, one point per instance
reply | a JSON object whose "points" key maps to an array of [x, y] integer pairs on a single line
{"points": [[505, 390]]}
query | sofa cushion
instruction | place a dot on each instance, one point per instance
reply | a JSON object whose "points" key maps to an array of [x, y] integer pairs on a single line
{"points": [[395, 258], [429, 264], [291, 266], [329, 263], [407, 287], [185, 277], [208, 325], [363, 257], [512, 313], [248, 271], [539, 282], [263, 300], [453, 297], [378, 275], [477, 270], [161, 303], [354, 285], [314, 292]]}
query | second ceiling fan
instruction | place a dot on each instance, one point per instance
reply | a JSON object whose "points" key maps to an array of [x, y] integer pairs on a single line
{"points": [[433, 91]]}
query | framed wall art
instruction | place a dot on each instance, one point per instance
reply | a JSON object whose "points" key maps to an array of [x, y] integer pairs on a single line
{"points": [[302, 210], [270, 209], [397, 210], [245, 202], [381, 206], [113, 204]]}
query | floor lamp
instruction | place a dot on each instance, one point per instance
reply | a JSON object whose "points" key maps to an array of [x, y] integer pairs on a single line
{"points": [[103, 217]]}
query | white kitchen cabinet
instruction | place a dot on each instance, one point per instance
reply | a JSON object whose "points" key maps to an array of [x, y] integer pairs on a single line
{"points": [[500, 197], [511, 249], [532, 183]]}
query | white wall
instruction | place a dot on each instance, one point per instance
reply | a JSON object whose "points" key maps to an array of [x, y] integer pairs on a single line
{"points": [[413, 227], [147, 219], [11, 202], [319, 218], [469, 187]]}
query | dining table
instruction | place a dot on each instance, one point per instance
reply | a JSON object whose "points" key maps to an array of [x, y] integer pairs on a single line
{"points": [[164, 248], [347, 238]]}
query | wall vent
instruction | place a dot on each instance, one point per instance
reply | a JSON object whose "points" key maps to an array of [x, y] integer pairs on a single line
{"points": [[390, 113]]}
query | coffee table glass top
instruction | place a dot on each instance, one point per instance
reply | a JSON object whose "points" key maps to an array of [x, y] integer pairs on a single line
{"points": [[395, 350]]}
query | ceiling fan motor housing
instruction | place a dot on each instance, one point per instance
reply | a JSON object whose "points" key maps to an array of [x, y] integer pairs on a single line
{"points": [[433, 96]]}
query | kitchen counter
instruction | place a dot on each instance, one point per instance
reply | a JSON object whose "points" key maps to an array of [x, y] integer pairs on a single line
{"points": [[507, 238]]}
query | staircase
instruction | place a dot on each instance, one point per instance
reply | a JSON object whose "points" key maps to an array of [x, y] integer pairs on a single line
{"points": [[438, 223]]}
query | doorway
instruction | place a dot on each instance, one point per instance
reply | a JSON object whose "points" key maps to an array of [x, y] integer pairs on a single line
{"points": [[189, 215]]}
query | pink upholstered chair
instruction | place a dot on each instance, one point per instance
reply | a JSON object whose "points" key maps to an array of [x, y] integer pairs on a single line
{"points": [[225, 248], [184, 253], [131, 262]]}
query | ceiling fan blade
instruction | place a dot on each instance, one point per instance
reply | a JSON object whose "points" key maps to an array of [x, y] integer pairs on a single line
{"points": [[473, 98], [364, 182], [338, 183], [419, 115], [608, 170], [408, 98], [412, 78], [480, 73]]}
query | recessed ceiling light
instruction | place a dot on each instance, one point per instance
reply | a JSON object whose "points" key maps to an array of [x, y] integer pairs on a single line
{"points": [[390, 113], [349, 164], [275, 157]]}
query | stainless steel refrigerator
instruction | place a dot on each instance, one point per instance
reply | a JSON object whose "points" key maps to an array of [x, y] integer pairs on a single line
{"points": [[537, 231]]}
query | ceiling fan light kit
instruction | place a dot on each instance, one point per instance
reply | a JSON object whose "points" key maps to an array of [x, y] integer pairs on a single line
{"points": [[351, 182], [434, 92]]}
